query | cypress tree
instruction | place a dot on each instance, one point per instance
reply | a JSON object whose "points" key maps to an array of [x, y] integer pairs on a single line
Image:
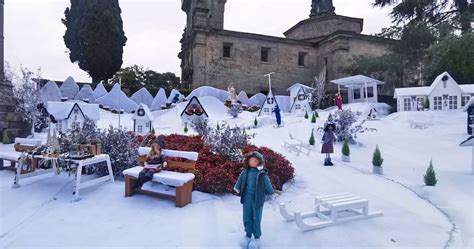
{"points": [[306, 116], [311, 139], [316, 113], [313, 118], [218, 127], [430, 176], [186, 127], [377, 159], [95, 37], [345, 148], [152, 130]]}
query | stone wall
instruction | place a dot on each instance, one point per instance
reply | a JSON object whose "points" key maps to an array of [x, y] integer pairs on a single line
{"points": [[315, 28]]}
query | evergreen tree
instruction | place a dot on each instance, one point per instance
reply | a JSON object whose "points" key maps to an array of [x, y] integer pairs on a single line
{"points": [[95, 37], [427, 103], [430, 176], [313, 118], [377, 159], [255, 122], [316, 113], [153, 130], [6, 139], [345, 148], [306, 116], [218, 127], [185, 127], [311, 139]]}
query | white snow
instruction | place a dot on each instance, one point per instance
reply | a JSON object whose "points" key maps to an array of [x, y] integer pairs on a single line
{"points": [[86, 93], [61, 110], [244, 99], [99, 91], [69, 88], [284, 102], [142, 96], [159, 100], [415, 216], [205, 91], [258, 99], [166, 177], [50, 92], [116, 99]]}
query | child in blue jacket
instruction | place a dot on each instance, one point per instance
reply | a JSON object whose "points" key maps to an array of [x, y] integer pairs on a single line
{"points": [[252, 186]]}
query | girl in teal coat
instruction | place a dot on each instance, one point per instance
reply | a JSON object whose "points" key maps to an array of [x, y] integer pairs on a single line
{"points": [[253, 185]]}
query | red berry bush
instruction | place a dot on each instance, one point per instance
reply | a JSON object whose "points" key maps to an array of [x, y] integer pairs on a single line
{"points": [[216, 173]]}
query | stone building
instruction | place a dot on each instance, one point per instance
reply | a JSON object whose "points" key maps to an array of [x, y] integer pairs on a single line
{"points": [[211, 55]]}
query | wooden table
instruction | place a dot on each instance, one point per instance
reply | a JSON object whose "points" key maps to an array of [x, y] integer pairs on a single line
{"points": [[78, 164]]}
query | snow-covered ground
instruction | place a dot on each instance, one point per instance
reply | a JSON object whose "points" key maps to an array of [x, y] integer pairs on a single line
{"points": [[40, 214]]}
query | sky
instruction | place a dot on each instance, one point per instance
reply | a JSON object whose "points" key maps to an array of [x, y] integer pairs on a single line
{"points": [[34, 32]]}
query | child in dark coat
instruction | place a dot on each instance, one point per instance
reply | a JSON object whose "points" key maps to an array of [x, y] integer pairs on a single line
{"points": [[328, 143], [154, 162], [253, 185]]}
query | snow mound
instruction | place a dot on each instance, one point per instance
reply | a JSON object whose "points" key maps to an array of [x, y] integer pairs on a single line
{"points": [[69, 88], [86, 93], [213, 107], [205, 91], [159, 100], [258, 99], [284, 102], [50, 92], [244, 99], [116, 99], [99, 91], [142, 96], [173, 93]]}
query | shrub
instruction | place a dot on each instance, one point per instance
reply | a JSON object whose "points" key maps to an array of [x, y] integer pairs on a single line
{"points": [[185, 127], [311, 138], [306, 116], [377, 159], [234, 110], [228, 141], [313, 118], [255, 122], [427, 103], [201, 126], [218, 127], [345, 148], [153, 130], [430, 176], [316, 113]]}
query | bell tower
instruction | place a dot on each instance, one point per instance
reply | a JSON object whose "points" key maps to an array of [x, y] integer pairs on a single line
{"points": [[204, 14]]}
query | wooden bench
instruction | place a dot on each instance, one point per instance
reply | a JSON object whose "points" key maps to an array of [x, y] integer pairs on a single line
{"points": [[181, 182], [22, 145]]}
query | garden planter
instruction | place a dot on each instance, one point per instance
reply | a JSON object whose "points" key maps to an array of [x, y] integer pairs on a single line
{"points": [[378, 170], [346, 159], [95, 149]]}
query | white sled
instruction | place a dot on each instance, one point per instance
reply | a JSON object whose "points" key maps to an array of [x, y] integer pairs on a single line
{"points": [[339, 208], [297, 146]]}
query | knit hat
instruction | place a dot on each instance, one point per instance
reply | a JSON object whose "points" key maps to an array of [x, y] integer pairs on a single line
{"points": [[159, 142], [326, 128], [257, 155]]}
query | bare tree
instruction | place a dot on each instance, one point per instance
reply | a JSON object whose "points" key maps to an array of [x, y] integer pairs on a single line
{"points": [[318, 93]]}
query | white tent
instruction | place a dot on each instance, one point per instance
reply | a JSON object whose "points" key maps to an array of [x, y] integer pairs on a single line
{"points": [[300, 101], [360, 88], [116, 99], [159, 100], [50, 92], [86, 93], [142, 96], [258, 99], [69, 88], [204, 91], [99, 91], [244, 99], [284, 102], [173, 93], [268, 105]]}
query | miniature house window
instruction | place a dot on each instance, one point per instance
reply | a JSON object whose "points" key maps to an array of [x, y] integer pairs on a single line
{"points": [[302, 59], [147, 125], [465, 100], [75, 117], [270, 101], [298, 107], [76, 111], [264, 54], [301, 97], [437, 103], [266, 110], [444, 84], [139, 128], [420, 103], [453, 102], [227, 50], [407, 104], [141, 112]]}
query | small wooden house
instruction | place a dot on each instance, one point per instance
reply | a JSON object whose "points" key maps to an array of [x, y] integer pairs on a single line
{"points": [[142, 120], [69, 112], [299, 98]]}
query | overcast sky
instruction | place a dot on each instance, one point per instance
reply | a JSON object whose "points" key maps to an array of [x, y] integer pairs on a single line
{"points": [[33, 29]]}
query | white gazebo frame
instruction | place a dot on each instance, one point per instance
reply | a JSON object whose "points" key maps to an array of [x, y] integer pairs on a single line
{"points": [[358, 82]]}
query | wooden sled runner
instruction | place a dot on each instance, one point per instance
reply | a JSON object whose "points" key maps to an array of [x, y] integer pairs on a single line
{"points": [[338, 208]]}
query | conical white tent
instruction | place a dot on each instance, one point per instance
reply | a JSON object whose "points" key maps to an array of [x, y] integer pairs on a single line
{"points": [[116, 99], [159, 100], [173, 93], [258, 99], [99, 91], [268, 105], [69, 88], [50, 92], [244, 99], [86, 93], [142, 96]]}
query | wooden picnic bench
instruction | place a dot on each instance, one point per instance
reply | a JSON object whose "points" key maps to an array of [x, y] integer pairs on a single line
{"points": [[177, 186], [22, 145]]}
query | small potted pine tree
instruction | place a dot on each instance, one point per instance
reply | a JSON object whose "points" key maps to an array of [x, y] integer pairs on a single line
{"points": [[152, 130], [346, 152], [377, 162], [313, 118], [311, 138], [6, 139], [255, 122], [306, 116], [430, 176], [186, 127], [427, 104]]}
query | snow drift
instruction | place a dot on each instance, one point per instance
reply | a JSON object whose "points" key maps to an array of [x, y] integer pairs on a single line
{"points": [[284, 102], [142, 96], [116, 99], [205, 91]]}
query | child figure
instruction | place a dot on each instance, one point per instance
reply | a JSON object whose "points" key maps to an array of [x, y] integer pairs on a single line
{"points": [[338, 102], [154, 162], [252, 186], [328, 143]]}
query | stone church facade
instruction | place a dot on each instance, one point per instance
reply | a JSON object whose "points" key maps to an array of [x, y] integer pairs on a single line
{"points": [[211, 55]]}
